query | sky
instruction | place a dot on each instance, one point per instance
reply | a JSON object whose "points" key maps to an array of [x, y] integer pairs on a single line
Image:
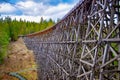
{"points": [[33, 10]]}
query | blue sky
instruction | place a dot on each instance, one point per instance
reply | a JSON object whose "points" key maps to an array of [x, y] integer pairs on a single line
{"points": [[33, 10]]}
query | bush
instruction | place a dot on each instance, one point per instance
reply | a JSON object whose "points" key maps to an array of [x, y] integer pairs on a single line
{"points": [[4, 42]]}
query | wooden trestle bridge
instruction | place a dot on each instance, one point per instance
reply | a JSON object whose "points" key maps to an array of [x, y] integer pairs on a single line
{"points": [[84, 45]]}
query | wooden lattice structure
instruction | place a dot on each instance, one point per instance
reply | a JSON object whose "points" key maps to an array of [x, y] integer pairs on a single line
{"points": [[84, 45]]}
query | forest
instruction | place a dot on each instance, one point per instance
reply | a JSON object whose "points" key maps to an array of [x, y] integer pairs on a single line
{"points": [[11, 29]]}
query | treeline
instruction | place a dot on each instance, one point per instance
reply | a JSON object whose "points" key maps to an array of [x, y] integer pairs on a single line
{"points": [[11, 29]]}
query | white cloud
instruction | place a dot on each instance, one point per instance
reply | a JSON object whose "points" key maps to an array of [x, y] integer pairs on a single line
{"points": [[33, 11], [7, 8], [48, 11], [53, 10], [58, 11], [31, 8]]}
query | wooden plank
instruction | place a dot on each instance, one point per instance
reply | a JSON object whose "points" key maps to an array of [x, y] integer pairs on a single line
{"points": [[59, 65], [86, 73], [85, 62], [115, 58], [112, 40]]}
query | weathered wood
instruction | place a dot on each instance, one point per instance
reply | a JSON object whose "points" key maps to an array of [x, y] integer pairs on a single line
{"points": [[84, 45]]}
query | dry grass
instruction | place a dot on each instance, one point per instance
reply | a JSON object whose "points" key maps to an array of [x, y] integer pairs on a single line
{"points": [[19, 58]]}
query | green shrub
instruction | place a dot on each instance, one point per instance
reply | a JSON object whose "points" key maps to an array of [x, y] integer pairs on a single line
{"points": [[4, 42]]}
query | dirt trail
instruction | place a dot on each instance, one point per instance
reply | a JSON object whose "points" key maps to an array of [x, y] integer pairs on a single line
{"points": [[19, 59]]}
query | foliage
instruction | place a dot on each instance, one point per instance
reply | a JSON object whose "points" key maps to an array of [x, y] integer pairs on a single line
{"points": [[4, 41], [11, 29]]}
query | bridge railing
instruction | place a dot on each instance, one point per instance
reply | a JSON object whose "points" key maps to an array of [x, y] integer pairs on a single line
{"points": [[84, 45]]}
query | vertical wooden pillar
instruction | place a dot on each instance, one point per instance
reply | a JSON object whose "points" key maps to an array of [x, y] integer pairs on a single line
{"points": [[118, 10]]}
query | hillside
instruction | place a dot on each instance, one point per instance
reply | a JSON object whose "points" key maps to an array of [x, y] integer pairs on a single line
{"points": [[20, 60]]}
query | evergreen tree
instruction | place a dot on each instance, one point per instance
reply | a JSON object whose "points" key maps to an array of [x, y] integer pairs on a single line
{"points": [[11, 29]]}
